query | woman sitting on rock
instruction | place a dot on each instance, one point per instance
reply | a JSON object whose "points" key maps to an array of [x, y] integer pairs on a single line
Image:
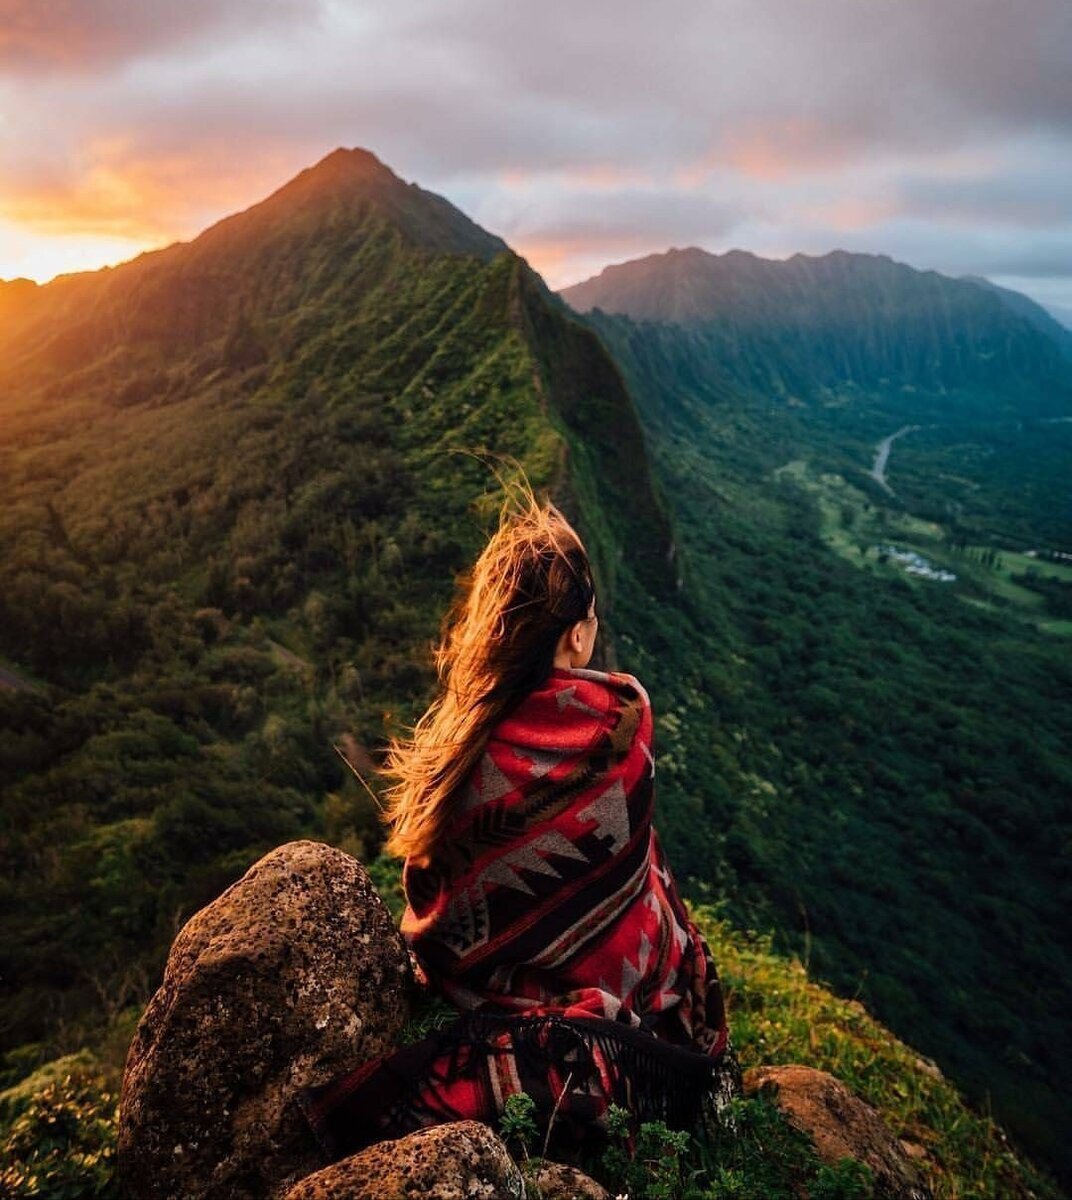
{"points": [[539, 900]]}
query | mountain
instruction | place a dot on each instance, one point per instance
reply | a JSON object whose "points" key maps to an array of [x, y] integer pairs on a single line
{"points": [[1043, 320], [830, 324], [1061, 313], [860, 347], [241, 474], [270, 257]]}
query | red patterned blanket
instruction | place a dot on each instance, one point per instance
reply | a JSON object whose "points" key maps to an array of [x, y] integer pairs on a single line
{"points": [[551, 919]]}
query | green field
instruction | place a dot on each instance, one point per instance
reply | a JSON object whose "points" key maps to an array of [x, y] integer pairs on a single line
{"points": [[852, 523]]}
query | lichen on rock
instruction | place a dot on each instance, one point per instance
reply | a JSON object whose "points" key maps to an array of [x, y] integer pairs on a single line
{"points": [[840, 1125], [561, 1181], [291, 976], [463, 1160]]}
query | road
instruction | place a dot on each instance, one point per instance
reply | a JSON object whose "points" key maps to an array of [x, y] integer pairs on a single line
{"points": [[882, 453]]}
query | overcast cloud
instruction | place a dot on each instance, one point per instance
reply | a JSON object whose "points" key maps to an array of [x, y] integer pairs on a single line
{"points": [[936, 131]]}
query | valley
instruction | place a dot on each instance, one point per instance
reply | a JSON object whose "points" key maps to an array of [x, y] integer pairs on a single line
{"points": [[859, 693]]}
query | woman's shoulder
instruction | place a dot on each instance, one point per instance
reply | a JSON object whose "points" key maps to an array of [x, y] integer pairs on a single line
{"points": [[620, 682], [573, 708]]}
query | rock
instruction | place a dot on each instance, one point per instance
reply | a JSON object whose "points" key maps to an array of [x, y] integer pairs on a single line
{"points": [[460, 1161], [557, 1181], [293, 975], [840, 1125], [914, 1150]]}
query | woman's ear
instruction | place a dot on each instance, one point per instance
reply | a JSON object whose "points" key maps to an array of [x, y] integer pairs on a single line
{"points": [[576, 637]]}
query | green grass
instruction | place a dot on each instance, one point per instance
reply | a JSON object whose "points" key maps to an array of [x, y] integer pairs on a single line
{"points": [[849, 520], [779, 1015]]}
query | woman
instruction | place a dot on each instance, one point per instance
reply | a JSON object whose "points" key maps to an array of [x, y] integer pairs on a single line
{"points": [[539, 901]]}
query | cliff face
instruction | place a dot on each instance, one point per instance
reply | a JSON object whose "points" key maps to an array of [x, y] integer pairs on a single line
{"points": [[841, 322]]}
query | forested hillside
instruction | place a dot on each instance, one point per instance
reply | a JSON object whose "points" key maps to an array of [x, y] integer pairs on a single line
{"points": [[888, 764], [240, 480], [241, 475]]}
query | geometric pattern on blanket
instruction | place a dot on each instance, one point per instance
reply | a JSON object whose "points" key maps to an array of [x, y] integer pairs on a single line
{"points": [[550, 918]]}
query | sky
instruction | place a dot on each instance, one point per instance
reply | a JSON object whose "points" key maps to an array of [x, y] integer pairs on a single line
{"points": [[585, 132]]}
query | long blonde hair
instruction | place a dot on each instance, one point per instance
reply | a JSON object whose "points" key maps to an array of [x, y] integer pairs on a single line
{"points": [[531, 582]]}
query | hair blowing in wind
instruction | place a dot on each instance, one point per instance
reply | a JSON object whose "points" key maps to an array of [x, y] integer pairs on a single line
{"points": [[531, 582]]}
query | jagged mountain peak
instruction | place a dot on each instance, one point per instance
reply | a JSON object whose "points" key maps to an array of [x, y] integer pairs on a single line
{"points": [[692, 284], [841, 318], [344, 173]]}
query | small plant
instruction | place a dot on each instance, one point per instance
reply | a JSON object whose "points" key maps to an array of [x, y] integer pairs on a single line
{"points": [[518, 1122], [653, 1165], [61, 1146], [845, 1180]]}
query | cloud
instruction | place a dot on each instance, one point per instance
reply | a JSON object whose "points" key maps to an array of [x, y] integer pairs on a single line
{"points": [[121, 188], [42, 36], [601, 128]]}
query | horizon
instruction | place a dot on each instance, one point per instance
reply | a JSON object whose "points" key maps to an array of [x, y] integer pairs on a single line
{"points": [[1064, 318], [939, 137]]}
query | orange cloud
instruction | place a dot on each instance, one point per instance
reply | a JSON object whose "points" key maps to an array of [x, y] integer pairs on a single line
{"points": [[608, 175], [116, 190], [775, 149], [594, 176], [116, 201], [850, 212]]}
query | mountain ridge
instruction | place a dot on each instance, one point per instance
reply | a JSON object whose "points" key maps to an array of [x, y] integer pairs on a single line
{"points": [[346, 190], [840, 321]]}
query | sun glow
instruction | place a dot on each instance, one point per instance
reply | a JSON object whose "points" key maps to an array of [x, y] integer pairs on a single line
{"points": [[108, 205], [41, 257]]}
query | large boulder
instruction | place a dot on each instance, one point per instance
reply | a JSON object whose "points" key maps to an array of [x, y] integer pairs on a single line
{"points": [[293, 975], [460, 1161], [840, 1125]]}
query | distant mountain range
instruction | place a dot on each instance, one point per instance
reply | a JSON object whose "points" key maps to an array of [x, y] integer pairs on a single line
{"points": [[845, 320], [1055, 323]]}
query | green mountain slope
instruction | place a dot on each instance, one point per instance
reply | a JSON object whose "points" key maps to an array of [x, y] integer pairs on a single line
{"points": [[1034, 313], [235, 505], [881, 759]]}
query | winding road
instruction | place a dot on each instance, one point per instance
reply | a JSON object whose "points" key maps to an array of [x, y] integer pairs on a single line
{"points": [[882, 450], [882, 453]]}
